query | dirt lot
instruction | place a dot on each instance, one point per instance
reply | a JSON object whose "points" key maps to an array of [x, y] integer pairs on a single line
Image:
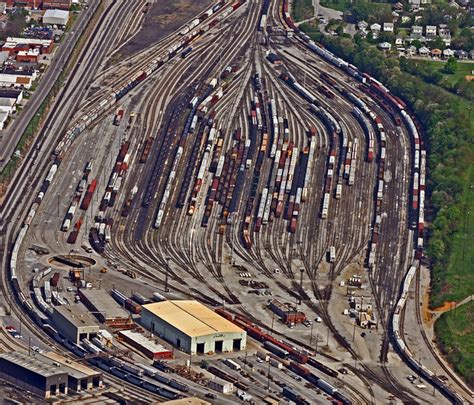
{"points": [[162, 19]]}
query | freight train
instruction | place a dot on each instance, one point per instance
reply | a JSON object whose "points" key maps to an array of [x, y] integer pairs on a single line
{"points": [[403, 349], [417, 196], [189, 33]]}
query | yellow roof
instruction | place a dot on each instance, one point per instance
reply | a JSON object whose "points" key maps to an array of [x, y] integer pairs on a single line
{"points": [[192, 318]]}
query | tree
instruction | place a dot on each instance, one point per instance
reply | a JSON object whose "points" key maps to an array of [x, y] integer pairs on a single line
{"points": [[451, 65], [417, 43]]}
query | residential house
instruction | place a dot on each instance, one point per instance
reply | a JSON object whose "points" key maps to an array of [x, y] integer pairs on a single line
{"points": [[430, 32], [445, 34], [398, 6], [375, 27], [388, 27], [436, 53], [424, 51], [399, 41], [460, 54], [362, 25], [410, 51], [415, 4], [385, 46], [447, 53], [417, 30]]}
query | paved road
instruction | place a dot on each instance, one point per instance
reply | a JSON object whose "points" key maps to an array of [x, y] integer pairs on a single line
{"points": [[10, 137]]}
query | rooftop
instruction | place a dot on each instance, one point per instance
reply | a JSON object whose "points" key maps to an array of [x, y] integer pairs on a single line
{"points": [[33, 364], [76, 314], [74, 369], [104, 303], [56, 14], [144, 341], [192, 318]]}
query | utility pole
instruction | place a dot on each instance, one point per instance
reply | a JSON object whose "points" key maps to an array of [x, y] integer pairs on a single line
{"points": [[301, 284], [166, 273], [268, 373]]}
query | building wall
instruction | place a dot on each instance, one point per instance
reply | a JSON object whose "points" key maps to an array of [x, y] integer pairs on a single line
{"points": [[60, 4], [186, 343], [71, 331], [29, 380]]}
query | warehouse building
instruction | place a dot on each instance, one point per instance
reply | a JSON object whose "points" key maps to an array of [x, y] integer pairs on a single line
{"points": [[47, 374], [80, 377], [104, 307], [75, 323], [287, 312], [192, 327], [32, 374], [13, 45], [148, 347], [56, 17]]}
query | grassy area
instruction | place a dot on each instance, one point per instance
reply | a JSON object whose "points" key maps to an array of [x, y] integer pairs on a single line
{"points": [[302, 10], [340, 5], [464, 69], [458, 276], [455, 334]]}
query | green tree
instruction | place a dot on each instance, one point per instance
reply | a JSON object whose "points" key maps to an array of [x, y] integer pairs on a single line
{"points": [[417, 43], [451, 65]]}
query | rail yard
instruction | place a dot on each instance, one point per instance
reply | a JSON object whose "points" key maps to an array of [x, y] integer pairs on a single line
{"points": [[237, 163]]}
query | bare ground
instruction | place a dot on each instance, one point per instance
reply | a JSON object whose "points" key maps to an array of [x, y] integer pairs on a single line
{"points": [[162, 19]]}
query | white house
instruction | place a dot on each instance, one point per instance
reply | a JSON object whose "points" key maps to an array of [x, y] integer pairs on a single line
{"points": [[385, 46], [388, 27], [375, 27], [417, 30], [411, 50], [447, 53], [362, 25], [431, 31], [424, 51]]}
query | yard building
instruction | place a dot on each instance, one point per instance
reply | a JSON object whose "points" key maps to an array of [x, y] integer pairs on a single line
{"points": [[288, 313], [104, 308], [47, 374], [80, 377], [147, 346], [30, 373], [222, 386], [192, 327], [56, 17], [75, 323]]}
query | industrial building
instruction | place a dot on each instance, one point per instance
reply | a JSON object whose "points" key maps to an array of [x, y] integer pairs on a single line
{"points": [[47, 374], [80, 377], [74, 322], [192, 327], [287, 312], [147, 346], [13, 45], [56, 17], [104, 307], [222, 386], [32, 374]]}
